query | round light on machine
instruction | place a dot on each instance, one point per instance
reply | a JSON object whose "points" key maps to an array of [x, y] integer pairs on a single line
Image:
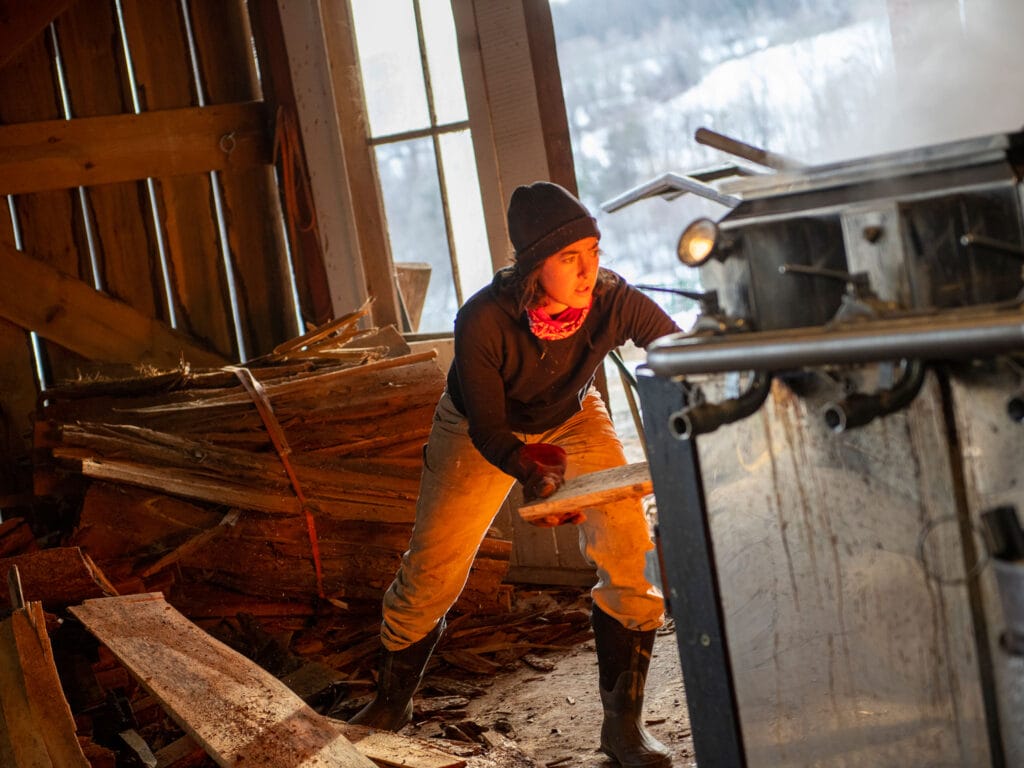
{"points": [[697, 242]]}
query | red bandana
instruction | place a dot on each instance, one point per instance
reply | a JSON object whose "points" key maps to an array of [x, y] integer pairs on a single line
{"points": [[543, 326]]}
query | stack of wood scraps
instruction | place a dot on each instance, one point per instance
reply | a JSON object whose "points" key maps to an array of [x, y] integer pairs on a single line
{"points": [[263, 509], [290, 479]]}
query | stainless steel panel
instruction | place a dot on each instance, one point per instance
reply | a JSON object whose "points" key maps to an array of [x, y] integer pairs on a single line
{"points": [[845, 653]]}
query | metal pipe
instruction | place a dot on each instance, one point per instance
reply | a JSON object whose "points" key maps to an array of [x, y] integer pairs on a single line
{"points": [[747, 151], [701, 419], [962, 334], [629, 386], [991, 244], [859, 409]]}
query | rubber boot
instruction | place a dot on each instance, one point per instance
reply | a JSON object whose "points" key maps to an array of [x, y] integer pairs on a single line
{"points": [[623, 657], [398, 677]]}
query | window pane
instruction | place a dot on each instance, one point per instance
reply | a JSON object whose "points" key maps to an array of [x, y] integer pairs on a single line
{"points": [[390, 64], [467, 212], [443, 60], [641, 76], [412, 203]]}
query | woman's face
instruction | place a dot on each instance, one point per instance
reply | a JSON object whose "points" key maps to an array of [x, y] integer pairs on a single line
{"points": [[568, 276]]}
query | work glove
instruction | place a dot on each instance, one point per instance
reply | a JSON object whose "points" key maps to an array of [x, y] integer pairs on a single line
{"points": [[540, 467]]}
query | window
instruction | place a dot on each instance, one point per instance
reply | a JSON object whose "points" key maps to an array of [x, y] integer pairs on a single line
{"points": [[419, 129]]}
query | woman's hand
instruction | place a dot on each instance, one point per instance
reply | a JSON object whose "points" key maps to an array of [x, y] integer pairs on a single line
{"points": [[540, 467]]}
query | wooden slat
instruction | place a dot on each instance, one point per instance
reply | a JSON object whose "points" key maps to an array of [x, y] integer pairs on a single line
{"points": [[36, 726], [252, 207], [60, 154], [591, 490], [239, 713], [163, 72], [126, 250], [74, 315], [21, 22], [50, 222], [17, 397]]}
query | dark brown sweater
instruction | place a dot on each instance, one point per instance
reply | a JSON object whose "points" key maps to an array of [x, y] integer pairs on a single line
{"points": [[506, 380]]}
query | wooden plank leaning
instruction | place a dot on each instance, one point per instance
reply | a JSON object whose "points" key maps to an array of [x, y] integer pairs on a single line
{"points": [[239, 713]]}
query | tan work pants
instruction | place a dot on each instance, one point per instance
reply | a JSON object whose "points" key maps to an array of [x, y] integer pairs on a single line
{"points": [[460, 494]]}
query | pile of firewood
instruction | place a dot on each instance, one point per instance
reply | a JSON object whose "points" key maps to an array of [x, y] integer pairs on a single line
{"points": [[270, 505], [290, 480]]}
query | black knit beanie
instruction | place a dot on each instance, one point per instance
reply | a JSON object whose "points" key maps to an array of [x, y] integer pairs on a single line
{"points": [[543, 218]]}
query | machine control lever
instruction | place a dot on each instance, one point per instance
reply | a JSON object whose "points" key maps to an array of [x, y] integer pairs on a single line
{"points": [[858, 281], [991, 244]]}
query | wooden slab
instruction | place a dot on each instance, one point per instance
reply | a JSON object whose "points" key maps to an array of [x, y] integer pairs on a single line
{"points": [[36, 726], [592, 490], [240, 714]]}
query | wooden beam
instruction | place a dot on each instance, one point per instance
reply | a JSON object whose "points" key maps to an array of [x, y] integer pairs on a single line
{"points": [[21, 22], [333, 47], [87, 151], [67, 311], [346, 218], [592, 490], [239, 713], [540, 32], [315, 285]]}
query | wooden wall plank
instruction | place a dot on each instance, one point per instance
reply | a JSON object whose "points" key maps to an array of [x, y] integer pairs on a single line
{"points": [[159, 49], [49, 222], [252, 206], [18, 391], [126, 250]]}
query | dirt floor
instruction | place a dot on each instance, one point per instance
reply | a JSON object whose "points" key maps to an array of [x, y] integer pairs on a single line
{"points": [[544, 710], [555, 717]]}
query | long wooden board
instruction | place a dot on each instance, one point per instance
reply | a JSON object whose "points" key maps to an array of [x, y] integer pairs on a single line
{"points": [[240, 714], [591, 490]]}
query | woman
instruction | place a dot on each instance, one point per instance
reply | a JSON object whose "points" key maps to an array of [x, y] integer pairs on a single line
{"points": [[520, 405]]}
